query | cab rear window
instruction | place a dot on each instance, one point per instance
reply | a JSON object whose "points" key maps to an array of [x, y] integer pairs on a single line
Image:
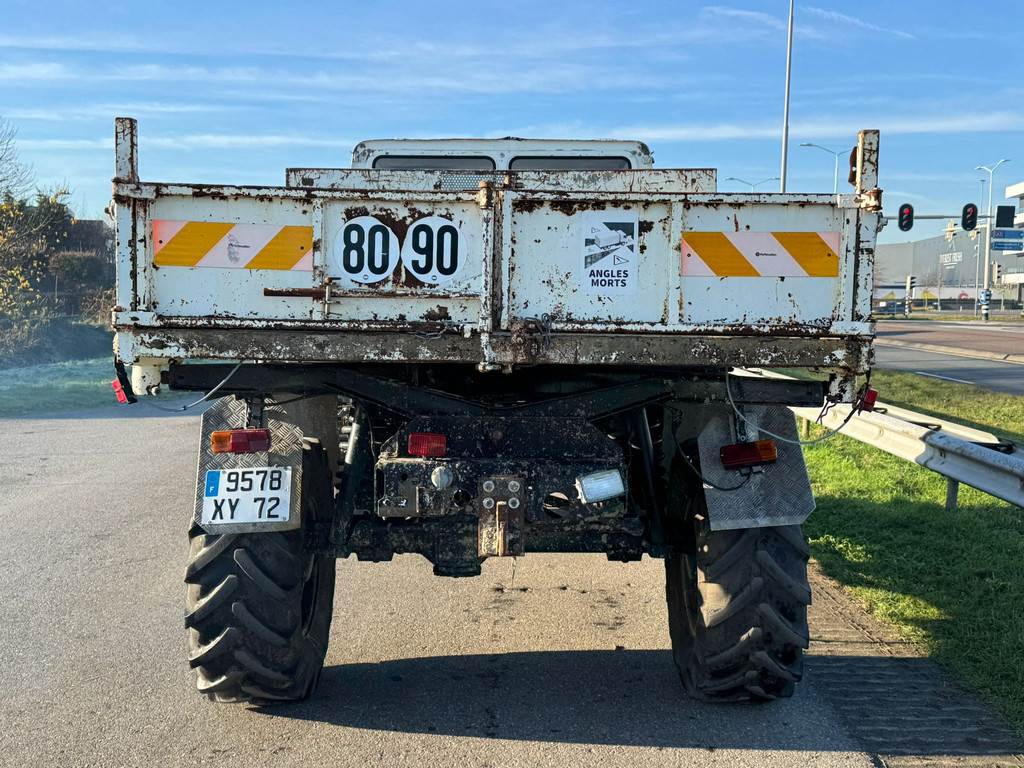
{"points": [[433, 163], [564, 163]]}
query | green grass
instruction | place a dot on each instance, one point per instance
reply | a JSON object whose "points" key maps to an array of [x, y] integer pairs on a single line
{"points": [[951, 582], [56, 387], [996, 412]]}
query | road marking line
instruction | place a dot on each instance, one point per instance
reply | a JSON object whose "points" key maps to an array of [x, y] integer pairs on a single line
{"points": [[946, 378]]}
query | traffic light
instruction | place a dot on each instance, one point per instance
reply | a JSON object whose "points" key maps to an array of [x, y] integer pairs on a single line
{"points": [[969, 218], [905, 218], [913, 282], [997, 272], [1004, 216]]}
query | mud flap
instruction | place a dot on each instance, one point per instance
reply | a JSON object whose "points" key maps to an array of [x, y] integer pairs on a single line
{"points": [[775, 494], [285, 452]]}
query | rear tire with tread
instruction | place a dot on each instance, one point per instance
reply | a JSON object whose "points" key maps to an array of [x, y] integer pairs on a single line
{"points": [[259, 605], [737, 606]]}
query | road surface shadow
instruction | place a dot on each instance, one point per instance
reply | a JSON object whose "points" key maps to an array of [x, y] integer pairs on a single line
{"points": [[633, 697]]}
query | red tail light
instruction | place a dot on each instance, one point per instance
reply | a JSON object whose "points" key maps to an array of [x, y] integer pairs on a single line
{"points": [[240, 441], [739, 455], [431, 444]]}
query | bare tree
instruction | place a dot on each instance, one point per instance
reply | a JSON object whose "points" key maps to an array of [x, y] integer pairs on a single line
{"points": [[15, 177]]}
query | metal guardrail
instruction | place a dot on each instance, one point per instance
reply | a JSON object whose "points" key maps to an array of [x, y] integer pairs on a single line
{"points": [[988, 469], [961, 454]]}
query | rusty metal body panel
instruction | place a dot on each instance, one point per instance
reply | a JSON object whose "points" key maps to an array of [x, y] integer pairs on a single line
{"points": [[565, 267]]}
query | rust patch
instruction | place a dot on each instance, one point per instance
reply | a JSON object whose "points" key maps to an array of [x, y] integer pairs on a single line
{"points": [[526, 204], [440, 312], [569, 207]]}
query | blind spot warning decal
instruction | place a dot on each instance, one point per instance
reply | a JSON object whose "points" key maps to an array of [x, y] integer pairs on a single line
{"points": [[609, 252]]}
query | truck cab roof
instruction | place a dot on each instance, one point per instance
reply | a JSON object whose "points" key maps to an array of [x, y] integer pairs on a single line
{"points": [[509, 153]]}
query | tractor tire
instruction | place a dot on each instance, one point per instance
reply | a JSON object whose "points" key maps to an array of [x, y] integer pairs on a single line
{"points": [[737, 610], [259, 605]]}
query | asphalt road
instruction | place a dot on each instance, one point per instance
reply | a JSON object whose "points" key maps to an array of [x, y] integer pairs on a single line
{"points": [[998, 338], [971, 356], [990, 374], [560, 660]]}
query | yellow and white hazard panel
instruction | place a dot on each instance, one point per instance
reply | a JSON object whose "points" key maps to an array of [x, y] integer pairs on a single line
{"points": [[760, 254], [232, 246]]}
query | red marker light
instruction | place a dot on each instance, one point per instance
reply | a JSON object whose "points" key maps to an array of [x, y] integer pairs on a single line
{"points": [[739, 455], [432, 444], [867, 402], [240, 440], [119, 392]]}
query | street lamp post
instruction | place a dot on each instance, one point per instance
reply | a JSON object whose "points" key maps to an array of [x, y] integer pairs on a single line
{"points": [[785, 104], [752, 184], [988, 234], [835, 154], [977, 255]]}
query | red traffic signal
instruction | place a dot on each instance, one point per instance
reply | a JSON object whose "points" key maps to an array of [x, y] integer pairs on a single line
{"points": [[905, 218], [969, 217]]}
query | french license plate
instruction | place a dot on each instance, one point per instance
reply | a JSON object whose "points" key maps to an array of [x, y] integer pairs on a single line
{"points": [[251, 495]]}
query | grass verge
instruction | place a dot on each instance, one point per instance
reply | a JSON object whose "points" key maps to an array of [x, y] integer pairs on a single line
{"points": [[56, 387], [952, 582]]}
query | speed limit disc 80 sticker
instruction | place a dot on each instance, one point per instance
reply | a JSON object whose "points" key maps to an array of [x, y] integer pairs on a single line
{"points": [[366, 251]]}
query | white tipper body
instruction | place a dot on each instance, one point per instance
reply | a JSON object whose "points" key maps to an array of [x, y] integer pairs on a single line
{"points": [[623, 265]]}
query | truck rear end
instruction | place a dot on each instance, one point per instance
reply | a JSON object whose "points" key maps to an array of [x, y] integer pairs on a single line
{"points": [[473, 349]]}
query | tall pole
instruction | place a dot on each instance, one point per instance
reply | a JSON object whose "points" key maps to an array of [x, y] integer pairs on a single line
{"points": [[988, 251], [785, 108], [835, 177], [977, 255], [987, 271]]}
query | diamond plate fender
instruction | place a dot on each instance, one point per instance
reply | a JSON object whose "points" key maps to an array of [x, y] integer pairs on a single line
{"points": [[775, 494], [285, 451]]}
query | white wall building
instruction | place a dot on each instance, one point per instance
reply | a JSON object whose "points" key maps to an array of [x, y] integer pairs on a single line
{"points": [[1015, 273]]}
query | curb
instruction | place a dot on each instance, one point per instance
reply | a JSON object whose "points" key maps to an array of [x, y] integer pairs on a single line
{"points": [[976, 355]]}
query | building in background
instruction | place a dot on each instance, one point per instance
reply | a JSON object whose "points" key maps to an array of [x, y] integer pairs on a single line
{"points": [[1015, 192], [950, 268], [1014, 275]]}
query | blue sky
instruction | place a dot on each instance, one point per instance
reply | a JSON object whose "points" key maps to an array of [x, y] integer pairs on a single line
{"points": [[236, 92]]}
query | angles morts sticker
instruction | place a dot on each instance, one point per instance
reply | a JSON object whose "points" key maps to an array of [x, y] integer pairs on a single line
{"points": [[610, 253]]}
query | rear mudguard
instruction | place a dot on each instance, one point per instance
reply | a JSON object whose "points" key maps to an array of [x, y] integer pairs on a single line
{"points": [[289, 425], [774, 494]]}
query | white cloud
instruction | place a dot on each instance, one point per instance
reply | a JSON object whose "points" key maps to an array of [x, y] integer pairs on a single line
{"points": [[447, 77], [193, 141], [32, 71], [852, 21], [833, 128], [106, 111], [761, 19], [91, 42]]}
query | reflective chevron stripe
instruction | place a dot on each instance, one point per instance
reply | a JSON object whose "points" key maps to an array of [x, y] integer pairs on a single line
{"points": [[232, 246], [760, 254]]}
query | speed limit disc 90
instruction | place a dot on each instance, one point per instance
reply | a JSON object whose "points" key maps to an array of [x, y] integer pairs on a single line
{"points": [[434, 250], [366, 250]]}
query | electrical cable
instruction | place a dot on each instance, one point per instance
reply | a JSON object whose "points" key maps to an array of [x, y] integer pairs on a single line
{"points": [[202, 399], [686, 459], [854, 410]]}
